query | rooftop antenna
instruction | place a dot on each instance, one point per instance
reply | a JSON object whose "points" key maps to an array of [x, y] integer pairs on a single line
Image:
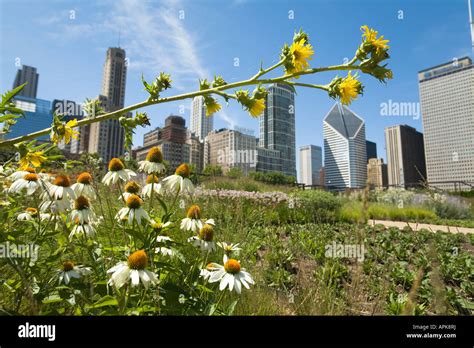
{"points": [[119, 37], [471, 24]]}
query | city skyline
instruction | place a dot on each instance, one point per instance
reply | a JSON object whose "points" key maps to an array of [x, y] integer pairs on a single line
{"points": [[405, 34]]}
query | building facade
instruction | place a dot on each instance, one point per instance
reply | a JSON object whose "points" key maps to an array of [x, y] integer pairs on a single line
{"points": [[230, 148], [38, 116], [171, 139], [447, 108], [311, 162], [345, 153], [405, 156], [371, 150], [196, 151], [277, 128], [107, 137], [377, 176], [29, 75], [200, 124]]}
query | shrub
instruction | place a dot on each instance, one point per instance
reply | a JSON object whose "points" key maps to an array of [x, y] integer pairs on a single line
{"points": [[235, 173], [317, 206]]}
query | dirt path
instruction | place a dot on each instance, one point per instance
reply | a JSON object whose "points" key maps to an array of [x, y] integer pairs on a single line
{"points": [[418, 226]]}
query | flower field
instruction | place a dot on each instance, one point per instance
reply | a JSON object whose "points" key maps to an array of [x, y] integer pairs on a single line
{"points": [[135, 241]]}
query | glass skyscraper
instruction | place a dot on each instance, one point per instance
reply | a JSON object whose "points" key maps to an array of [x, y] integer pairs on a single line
{"points": [[277, 127], [38, 116]]}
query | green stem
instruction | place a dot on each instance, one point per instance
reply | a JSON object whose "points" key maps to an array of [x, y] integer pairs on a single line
{"points": [[216, 90]]}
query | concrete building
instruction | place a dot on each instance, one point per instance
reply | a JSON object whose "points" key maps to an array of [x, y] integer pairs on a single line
{"points": [[277, 130], [447, 108], [345, 153], [200, 124], [230, 148], [196, 151], [405, 156], [107, 137], [29, 75], [171, 139], [311, 162], [377, 176]]}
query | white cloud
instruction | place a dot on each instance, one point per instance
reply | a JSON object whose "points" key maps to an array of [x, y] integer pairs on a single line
{"points": [[156, 40]]}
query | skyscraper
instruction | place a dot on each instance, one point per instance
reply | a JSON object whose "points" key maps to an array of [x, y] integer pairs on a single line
{"points": [[447, 107], [371, 150], [200, 124], [277, 127], [27, 74], [311, 162], [38, 116], [345, 156], [107, 137], [405, 156]]}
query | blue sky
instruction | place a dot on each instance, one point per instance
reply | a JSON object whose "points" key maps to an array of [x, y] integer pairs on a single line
{"points": [[69, 52]]}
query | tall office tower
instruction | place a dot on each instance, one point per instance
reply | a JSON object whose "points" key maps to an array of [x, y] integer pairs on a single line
{"points": [[405, 156], [277, 126], [377, 176], [311, 162], [27, 74], [230, 148], [200, 124], [107, 137], [345, 156], [371, 150], [447, 108]]}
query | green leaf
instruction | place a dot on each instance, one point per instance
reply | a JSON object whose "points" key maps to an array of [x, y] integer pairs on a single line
{"points": [[104, 301], [8, 95]]}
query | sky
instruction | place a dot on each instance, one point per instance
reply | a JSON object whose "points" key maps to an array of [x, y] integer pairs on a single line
{"points": [[67, 41]]}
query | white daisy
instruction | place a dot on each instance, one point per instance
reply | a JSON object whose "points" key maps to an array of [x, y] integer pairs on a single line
{"points": [[231, 275], [84, 229], [28, 215], [207, 272], [82, 212], [131, 188], [56, 206], [59, 189], [117, 171], [151, 184], [179, 182], [192, 221], [134, 270], [20, 174], [229, 248], [163, 249], [83, 186], [30, 181], [133, 211], [204, 239], [69, 271], [153, 163]]}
